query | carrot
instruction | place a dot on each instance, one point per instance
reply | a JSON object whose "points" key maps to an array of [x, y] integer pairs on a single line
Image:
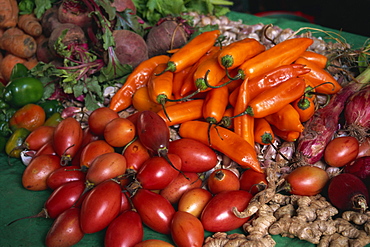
{"points": [[234, 54], [30, 25], [215, 104], [283, 53], [224, 141], [18, 43], [8, 63], [263, 133], [286, 119], [192, 51], [8, 13], [137, 79], [305, 107], [323, 81], [182, 112], [274, 99], [244, 124], [319, 59], [160, 85]]}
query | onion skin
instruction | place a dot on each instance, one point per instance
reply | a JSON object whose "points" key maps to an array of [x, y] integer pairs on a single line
{"points": [[357, 112], [348, 192], [360, 168]]}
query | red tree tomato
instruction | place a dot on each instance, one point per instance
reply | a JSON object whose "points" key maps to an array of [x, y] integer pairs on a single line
{"points": [[125, 202], [194, 200], [64, 175], [119, 132], [195, 156], [36, 173], [341, 151], [29, 117], [99, 118], [306, 180], [106, 166], [125, 230], [88, 137], [156, 173], [66, 230], [47, 148], [253, 181], [67, 138], [222, 180], [153, 242], [38, 137], [187, 230], [218, 216], [136, 154], [155, 210], [182, 183], [64, 197], [93, 150], [100, 206]]}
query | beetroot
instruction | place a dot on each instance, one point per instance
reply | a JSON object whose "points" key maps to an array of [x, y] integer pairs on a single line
{"points": [[348, 192], [130, 47], [74, 12], [122, 5], [320, 128], [167, 35], [357, 113]]}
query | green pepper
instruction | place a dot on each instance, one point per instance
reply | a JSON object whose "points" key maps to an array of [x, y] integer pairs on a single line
{"points": [[51, 106], [23, 91], [5, 131], [3, 104], [19, 70], [14, 144], [54, 120]]}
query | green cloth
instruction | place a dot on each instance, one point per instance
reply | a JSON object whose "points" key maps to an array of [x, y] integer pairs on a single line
{"points": [[17, 202]]}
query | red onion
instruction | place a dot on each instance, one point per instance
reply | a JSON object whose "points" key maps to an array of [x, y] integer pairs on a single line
{"points": [[360, 167], [357, 113]]}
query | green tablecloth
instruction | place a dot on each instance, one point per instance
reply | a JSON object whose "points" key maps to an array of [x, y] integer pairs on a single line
{"points": [[18, 202]]}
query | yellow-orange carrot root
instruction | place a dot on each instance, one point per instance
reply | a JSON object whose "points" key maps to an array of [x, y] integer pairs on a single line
{"points": [[8, 13], [30, 25], [19, 44]]}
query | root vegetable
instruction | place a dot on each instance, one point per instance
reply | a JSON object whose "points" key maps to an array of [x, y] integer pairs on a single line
{"points": [[360, 168], [320, 128], [130, 47], [43, 53], [122, 5], [165, 36], [74, 35], [8, 13], [74, 12], [30, 25], [49, 21], [16, 42], [8, 63]]}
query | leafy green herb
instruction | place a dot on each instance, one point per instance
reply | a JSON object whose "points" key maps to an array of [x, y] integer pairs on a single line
{"points": [[38, 7]]}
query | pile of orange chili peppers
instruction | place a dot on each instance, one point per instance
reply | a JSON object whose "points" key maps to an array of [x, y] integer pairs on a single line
{"points": [[231, 96]]}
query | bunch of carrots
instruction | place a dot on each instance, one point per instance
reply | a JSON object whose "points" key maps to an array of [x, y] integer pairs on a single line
{"points": [[18, 38], [231, 96]]}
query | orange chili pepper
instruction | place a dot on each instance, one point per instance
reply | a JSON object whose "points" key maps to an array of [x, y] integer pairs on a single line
{"points": [[192, 51], [289, 136], [310, 89], [283, 53], [263, 133], [160, 85], [178, 80], [208, 74], [189, 85], [215, 104], [233, 97], [319, 59], [305, 107], [137, 79], [236, 53], [244, 124], [227, 121], [272, 79], [323, 81], [274, 99], [286, 119], [141, 101], [182, 112], [224, 141]]}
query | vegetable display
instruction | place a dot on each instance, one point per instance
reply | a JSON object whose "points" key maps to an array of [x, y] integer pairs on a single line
{"points": [[265, 135]]}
